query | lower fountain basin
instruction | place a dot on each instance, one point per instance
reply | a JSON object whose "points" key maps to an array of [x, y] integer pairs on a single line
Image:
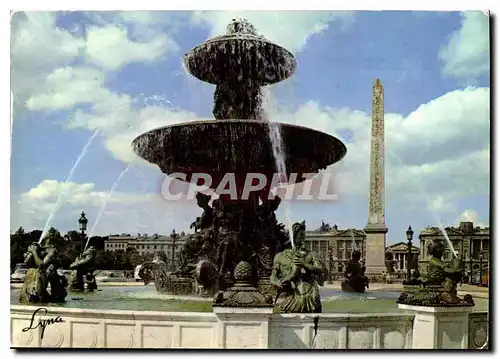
{"points": [[236, 146], [145, 298]]}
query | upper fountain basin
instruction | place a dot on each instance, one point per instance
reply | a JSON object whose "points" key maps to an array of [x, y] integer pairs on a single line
{"points": [[217, 147], [240, 57]]}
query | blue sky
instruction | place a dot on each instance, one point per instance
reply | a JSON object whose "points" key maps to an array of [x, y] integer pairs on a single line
{"points": [[73, 72]]}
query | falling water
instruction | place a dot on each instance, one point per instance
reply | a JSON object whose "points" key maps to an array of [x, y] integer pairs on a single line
{"points": [[354, 247], [279, 159], [65, 187], [105, 202], [438, 220]]}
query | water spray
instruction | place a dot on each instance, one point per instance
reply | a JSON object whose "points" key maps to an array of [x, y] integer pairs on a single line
{"points": [[65, 187], [279, 158], [436, 217], [104, 203]]}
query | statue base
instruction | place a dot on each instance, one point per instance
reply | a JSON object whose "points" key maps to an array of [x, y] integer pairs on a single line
{"points": [[411, 288], [434, 296], [438, 328], [351, 287], [179, 286], [242, 294]]}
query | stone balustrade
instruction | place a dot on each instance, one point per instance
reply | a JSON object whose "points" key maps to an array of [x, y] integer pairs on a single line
{"points": [[224, 328]]}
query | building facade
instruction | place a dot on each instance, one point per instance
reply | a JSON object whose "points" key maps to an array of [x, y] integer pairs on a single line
{"points": [[145, 244], [400, 255], [334, 246], [471, 244]]}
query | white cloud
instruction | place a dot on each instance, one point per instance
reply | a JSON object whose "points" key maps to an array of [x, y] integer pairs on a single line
{"points": [[128, 212], [435, 155], [43, 57], [290, 29], [467, 54], [471, 216], [440, 150], [37, 48], [66, 87], [111, 48]]}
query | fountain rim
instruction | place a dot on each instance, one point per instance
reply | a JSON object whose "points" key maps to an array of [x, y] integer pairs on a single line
{"points": [[264, 123], [246, 37], [239, 37]]}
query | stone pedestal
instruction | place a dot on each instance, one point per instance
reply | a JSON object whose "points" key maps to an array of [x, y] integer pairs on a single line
{"points": [[375, 248], [180, 286], [243, 328], [439, 327]]}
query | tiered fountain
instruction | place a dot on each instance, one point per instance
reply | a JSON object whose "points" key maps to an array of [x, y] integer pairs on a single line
{"points": [[238, 141]]}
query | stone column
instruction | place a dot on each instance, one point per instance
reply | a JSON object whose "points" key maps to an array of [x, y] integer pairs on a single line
{"points": [[376, 229], [439, 327]]}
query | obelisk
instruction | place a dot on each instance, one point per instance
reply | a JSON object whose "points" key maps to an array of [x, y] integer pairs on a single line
{"points": [[376, 229]]}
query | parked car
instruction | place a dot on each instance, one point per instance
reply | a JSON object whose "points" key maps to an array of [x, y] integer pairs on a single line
{"points": [[18, 275], [109, 277]]}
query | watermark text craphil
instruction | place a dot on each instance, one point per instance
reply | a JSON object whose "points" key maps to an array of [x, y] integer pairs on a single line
{"points": [[301, 187]]}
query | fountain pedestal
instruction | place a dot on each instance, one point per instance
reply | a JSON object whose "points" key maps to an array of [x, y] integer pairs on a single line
{"points": [[243, 328], [439, 327], [182, 286]]}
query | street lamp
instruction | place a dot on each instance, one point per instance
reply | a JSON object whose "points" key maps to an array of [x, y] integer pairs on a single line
{"points": [[174, 237], [83, 227], [409, 236], [330, 265], [480, 269], [470, 261]]}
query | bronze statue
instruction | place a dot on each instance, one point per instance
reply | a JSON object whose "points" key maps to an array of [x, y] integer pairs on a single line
{"points": [[43, 262], [439, 288], [298, 273], [272, 236], [355, 281], [83, 275], [156, 271]]}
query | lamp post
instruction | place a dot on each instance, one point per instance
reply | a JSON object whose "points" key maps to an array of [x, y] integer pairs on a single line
{"points": [[480, 270], [330, 265], [174, 237], [83, 227], [409, 236], [470, 260]]}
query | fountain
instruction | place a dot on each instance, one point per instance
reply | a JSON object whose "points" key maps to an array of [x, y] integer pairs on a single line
{"points": [[239, 252], [236, 143]]}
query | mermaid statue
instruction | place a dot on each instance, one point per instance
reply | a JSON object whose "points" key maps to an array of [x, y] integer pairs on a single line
{"points": [[43, 262], [82, 278], [298, 273], [439, 287]]}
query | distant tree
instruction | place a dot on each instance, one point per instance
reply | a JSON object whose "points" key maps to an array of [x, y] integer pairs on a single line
{"points": [[97, 242], [133, 257], [19, 242]]}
